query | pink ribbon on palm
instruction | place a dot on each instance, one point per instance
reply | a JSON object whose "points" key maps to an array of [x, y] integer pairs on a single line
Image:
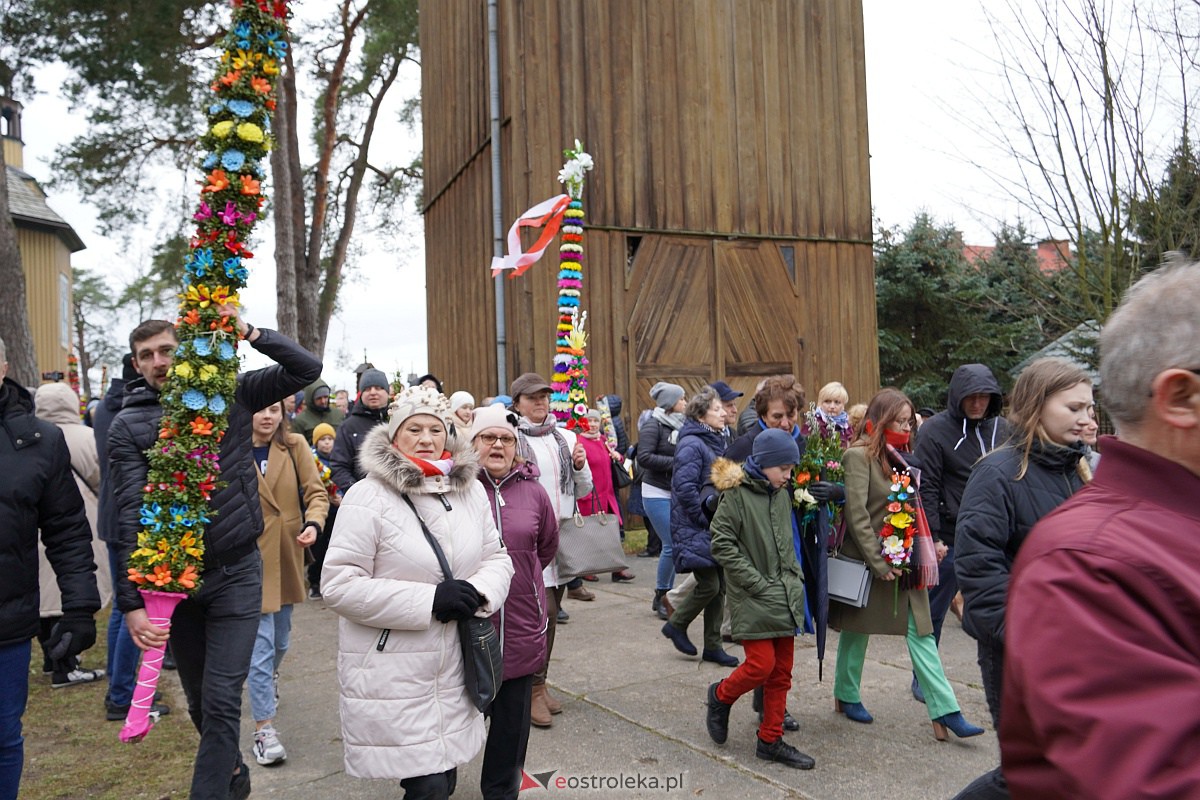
{"points": [[547, 215], [159, 608]]}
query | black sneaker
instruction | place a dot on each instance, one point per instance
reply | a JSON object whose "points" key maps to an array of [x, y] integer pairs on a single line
{"points": [[717, 718], [784, 753], [75, 677], [115, 713]]}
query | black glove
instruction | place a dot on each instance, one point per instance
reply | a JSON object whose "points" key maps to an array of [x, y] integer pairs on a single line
{"points": [[71, 635], [454, 600], [827, 492], [709, 497]]}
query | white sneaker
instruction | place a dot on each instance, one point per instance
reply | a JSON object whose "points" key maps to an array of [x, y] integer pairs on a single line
{"points": [[267, 748]]}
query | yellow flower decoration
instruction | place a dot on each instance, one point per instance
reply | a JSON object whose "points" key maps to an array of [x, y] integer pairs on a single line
{"points": [[270, 67], [901, 520], [222, 296], [250, 132], [182, 369], [223, 128], [188, 543], [208, 372], [244, 60], [198, 294]]}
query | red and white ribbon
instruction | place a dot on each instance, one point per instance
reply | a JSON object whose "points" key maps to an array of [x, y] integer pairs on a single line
{"points": [[547, 215]]}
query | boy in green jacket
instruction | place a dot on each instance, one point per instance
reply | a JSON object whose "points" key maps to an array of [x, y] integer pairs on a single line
{"points": [[752, 541]]}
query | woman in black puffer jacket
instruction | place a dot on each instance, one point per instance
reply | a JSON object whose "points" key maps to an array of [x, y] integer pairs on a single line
{"points": [[1010, 489]]}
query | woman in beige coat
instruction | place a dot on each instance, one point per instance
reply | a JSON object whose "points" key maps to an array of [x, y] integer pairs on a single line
{"points": [[286, 473], [57, 403], [405, 710], [881, 447]]}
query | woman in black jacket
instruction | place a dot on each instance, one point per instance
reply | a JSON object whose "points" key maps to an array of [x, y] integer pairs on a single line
{"points": [[656, 456], [1010, 489]]}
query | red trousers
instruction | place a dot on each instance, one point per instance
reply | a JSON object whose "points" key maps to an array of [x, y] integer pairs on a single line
{"points": [[768, 664]]}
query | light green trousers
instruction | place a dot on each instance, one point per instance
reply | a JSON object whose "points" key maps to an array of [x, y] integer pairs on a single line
{"points": [[852, 653]]}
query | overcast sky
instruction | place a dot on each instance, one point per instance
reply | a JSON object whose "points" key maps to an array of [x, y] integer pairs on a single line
{"points": [[926, 62]]}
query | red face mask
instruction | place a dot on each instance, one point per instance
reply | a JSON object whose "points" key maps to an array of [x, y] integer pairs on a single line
{"points": [[894, 438]]}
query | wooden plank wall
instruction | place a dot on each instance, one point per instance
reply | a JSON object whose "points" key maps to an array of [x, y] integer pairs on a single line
{"points": [[45, 259], [713, 119]]}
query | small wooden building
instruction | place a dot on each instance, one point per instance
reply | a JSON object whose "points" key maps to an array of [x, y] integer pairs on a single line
{"points": [[46, 243], [729, 213]]}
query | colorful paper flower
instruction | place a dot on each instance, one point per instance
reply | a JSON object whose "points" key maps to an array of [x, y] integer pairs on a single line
{"points": [[194, 399]]}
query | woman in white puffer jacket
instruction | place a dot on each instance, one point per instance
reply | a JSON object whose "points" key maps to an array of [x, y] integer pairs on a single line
{"points": [[405, 711]]}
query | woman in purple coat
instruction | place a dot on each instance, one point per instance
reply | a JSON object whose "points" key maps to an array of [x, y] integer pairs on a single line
{"points": [[528, 526]]}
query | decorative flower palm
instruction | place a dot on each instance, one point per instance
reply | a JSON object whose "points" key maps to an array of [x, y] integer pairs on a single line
{"points": [[568, 398], [184, 466]]}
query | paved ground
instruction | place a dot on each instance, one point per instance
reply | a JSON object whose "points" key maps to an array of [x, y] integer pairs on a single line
{"points": [[634, 708]]}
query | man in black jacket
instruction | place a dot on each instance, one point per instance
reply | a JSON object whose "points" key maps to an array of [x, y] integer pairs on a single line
{"points": [[39, 492], [212, 633], [123, 654], [369, 411], [948, 445]]}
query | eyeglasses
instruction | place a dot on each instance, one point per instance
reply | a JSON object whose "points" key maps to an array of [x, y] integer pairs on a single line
{"points": [[490, 439]]}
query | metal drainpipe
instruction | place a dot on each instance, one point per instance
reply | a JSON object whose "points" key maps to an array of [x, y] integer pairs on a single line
{"points": [[497, 215]]}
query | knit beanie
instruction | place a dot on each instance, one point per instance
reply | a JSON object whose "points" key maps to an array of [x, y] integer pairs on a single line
{"points": [[322, 430], [774, 448], [416, 400], [493, 417], [666, 395], [374, 377], [460, 399]]}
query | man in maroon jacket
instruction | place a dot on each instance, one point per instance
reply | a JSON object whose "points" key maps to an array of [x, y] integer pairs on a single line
{"points": [[1102, 678]]}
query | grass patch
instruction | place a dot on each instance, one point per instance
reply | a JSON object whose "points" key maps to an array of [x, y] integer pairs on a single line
{"points": [[635, 540], [71, 751]]}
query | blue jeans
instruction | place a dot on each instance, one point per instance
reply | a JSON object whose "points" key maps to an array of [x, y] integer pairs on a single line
{"points": [[659, 512], [212, 637], [14, 691], [274, 633], [123, 654]]}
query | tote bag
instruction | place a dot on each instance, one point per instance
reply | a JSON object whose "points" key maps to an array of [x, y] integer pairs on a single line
{"points": [[589, 545]]}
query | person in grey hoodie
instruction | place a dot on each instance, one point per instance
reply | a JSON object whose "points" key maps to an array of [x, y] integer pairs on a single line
{"points": [[948, 446]]}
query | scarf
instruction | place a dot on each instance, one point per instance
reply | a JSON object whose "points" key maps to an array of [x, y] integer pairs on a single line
{"points": [[842, 420], [894, 439], [924, 575], [672, 421], [547, 428], [432, 469]]}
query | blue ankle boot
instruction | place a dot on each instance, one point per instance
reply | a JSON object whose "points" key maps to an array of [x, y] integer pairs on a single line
{"points": [[679, 639], [719, 656], [853, 711], [956, 723]]}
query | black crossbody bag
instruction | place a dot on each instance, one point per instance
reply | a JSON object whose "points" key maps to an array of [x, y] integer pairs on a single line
{"points": [[483, 664]]}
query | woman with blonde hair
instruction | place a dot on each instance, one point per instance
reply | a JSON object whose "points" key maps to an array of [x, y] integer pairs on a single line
{"points": [[881, 483], [1010, 489], [829, 416]]}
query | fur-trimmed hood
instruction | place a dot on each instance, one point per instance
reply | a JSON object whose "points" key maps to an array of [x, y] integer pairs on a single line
{"points": [[379, 459], [726, 474]]}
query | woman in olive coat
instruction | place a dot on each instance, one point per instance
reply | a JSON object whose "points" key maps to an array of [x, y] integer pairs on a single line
{"points": [[891, 610]]}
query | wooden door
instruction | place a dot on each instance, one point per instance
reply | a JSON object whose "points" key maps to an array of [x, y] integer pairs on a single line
{"points": [[671, 328]]}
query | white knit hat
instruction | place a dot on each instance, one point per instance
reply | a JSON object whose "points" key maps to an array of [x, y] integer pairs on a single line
{"points": [[492, 417], [417, 400], [460, 399]]}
